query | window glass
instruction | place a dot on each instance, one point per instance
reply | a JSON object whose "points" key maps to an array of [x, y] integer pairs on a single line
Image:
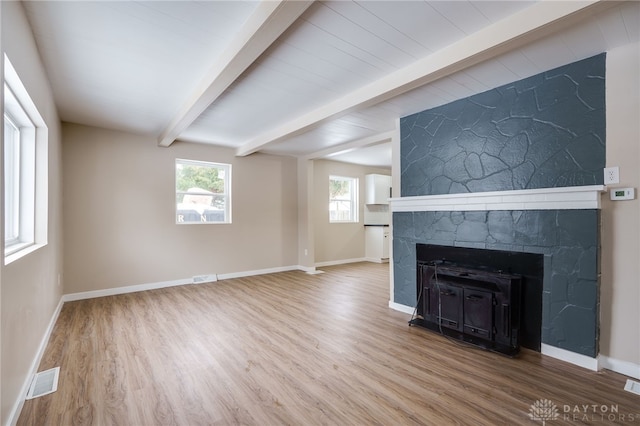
{"points": [[203, 192], [343, 199], [12, 181]]}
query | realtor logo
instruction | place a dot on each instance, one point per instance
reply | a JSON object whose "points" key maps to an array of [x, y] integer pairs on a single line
{"points": [[543, 410]]}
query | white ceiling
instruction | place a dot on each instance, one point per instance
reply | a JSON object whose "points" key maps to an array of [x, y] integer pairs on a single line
{"points": [[311, 79]]}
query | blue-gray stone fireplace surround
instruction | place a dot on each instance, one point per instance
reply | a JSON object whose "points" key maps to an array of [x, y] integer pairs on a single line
{"points": [[545, 131]]}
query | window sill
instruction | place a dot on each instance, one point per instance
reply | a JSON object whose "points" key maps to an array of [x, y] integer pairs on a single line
{"points": [[18, 252]]}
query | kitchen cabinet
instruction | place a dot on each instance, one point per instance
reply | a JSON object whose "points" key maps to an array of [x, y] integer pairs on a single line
{"points": [[376, 243], [378, 189]]}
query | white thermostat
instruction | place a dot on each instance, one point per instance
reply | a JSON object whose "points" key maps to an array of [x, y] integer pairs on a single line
{"points": [[622, 193]]}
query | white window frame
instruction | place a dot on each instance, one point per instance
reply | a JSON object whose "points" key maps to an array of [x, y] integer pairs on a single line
{"points": [[352, 201], [12, 187], [25, 143], [200, 214]]}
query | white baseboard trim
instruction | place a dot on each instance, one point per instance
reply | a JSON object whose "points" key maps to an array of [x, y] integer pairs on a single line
{"points": [[623, 367], [561, 354], [376, 260], [163, 284], [570, 357], [257, 272], [340, 262], [402, 308], [124, 290], [33, 369], [311, 270]]}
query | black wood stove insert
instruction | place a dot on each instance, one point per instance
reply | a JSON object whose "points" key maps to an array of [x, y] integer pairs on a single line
{"points": [[478, 307], [491, 299]]}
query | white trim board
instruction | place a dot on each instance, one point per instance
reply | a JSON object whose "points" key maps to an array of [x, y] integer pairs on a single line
{"points": [[565, 198], [308, 269], [259, 272], [164, 284], [570, 357], [402, 308], [124, 290], [340, 262], [189, 281], [33, 369], [548, 350], [623, 367], [376, 259]]}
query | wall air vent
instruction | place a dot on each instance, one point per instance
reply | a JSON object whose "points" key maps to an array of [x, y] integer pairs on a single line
{"points": [[43, 383], [201, 279]]}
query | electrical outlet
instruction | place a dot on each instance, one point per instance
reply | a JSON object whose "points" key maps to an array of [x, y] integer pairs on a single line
{"points": [[611, 175]]}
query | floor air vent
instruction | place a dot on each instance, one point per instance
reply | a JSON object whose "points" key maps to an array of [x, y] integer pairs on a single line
{"points": [[632, 386], [43, 383]]}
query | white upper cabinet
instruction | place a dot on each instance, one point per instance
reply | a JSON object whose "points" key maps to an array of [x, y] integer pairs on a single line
{"points": [[378, 189]]}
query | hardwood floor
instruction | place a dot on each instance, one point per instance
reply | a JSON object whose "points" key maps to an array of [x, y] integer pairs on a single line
{"points": [[292, 348]]}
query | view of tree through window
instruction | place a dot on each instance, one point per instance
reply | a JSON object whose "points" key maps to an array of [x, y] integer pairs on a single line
{"points": [[343, 199], [202, 192]]}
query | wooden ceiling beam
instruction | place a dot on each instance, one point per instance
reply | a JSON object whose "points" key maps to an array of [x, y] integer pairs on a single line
{"points": [[267, 23], [351, 145], [539, 20]]}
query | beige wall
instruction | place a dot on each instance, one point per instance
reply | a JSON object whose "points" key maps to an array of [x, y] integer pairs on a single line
{"points": [[306, 242], [30, 292], [338, 241], [620, 289], [119, 212]]}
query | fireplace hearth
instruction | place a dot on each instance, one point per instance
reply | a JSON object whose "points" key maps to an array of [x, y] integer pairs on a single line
{"points": [[489, 298]]}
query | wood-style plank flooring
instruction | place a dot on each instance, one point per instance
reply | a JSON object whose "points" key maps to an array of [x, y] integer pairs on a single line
{"points": [[295, 349]]}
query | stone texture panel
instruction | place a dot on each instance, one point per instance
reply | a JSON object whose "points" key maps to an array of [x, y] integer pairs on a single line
{"points": [[567, 238], [544, 131]]}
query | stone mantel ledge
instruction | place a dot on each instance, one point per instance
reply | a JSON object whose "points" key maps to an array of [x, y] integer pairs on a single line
{"points": [[565, 198]]}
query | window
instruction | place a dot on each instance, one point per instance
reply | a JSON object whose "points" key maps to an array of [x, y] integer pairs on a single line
{"points": [[203, 192], [25, 172], [343, 199], [12, 179]]}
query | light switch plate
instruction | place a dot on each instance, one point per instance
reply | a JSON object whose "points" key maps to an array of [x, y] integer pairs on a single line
{"points": [[611, 175], [622, 193]]}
